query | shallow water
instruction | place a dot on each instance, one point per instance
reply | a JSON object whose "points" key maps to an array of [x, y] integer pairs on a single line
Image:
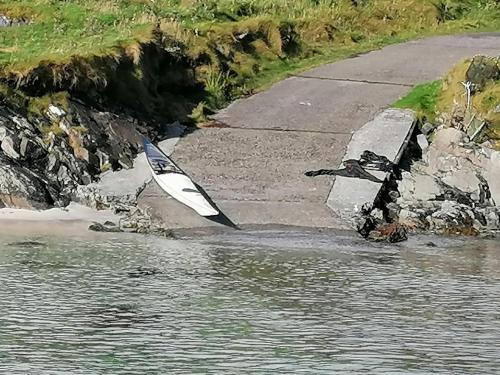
{"points": [[248, 303]]}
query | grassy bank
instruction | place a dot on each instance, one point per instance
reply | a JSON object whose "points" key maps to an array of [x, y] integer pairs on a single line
{"points": [[164, 57]]}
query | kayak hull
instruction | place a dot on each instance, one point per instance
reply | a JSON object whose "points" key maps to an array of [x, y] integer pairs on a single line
{"points": [[182, 188], [175, 182]]}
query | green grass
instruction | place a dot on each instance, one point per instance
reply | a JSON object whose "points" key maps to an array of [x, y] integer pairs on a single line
{"points": [[423, 99], [61, 29], [233, 47]]}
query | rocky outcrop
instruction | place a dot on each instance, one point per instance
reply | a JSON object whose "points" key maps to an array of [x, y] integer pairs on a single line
{"points": [[43, 159], [453, 189]]}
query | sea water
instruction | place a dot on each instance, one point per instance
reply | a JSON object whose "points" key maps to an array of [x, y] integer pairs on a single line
{"points": [[255, 302]]}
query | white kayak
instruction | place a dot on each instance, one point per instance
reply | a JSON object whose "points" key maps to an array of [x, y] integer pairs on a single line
{"points": [[175, 182]]}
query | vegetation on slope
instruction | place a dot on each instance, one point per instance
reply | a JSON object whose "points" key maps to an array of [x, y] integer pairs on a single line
{"points": [[163, 57], [467, 98]]}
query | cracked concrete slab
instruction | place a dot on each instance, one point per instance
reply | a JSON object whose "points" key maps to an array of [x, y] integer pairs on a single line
{"points": [[386, 135]]}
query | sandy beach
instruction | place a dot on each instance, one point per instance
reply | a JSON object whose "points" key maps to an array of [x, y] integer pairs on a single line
{"points": [[74, 218]]}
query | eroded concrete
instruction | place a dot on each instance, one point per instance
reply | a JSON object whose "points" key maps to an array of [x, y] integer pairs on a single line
{"points": [[386, 135]]}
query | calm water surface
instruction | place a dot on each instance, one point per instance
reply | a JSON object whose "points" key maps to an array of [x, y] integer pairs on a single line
{"points": [[248, 303]]}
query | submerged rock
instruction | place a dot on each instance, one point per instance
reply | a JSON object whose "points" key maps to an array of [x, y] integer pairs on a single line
{"points": [[97, 227], [27, 244], [391, 233], [143, 271]]}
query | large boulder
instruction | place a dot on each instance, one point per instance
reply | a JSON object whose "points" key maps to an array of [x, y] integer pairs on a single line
{"points": [[418, 187]]}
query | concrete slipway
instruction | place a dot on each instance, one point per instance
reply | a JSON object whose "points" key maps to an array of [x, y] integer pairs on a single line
{"points": [[254, 168]]}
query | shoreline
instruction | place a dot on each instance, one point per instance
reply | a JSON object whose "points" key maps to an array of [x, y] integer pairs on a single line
{"points": [[70, 220]]}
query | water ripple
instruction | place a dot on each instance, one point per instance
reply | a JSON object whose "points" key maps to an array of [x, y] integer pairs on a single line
{"points": [[252, 303]]}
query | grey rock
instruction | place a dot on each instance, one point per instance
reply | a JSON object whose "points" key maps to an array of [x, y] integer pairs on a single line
{"points": [[55, 113], [418, 187], [365, 225], [487, 145], [392, 212], [394, 195], [9, 22], [377, 214], [3, 133], [448, 137], [465, 180], [422, 141], [8, 147], [427, 128], [22, 123], [23, 146], [53, 162], [85, 178], [97, 227], [63, 175], [492, 219], [492, 176]]}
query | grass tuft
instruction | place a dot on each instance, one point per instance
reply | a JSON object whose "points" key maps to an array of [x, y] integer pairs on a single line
{"points": [[422, 99]]}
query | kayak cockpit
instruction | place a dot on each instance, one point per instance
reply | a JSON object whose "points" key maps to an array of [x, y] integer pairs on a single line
{"points": [[161, 167]]}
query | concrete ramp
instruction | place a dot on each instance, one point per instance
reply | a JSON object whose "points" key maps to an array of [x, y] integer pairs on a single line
{"points": [[388, 135], [253, 167]]}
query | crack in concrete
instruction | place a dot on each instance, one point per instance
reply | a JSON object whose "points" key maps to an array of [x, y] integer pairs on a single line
{"points": [[228, 127], [263, 200], [356, 81]]}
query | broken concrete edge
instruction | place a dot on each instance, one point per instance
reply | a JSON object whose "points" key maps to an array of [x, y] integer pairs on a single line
{"points": [[388, 134]]}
